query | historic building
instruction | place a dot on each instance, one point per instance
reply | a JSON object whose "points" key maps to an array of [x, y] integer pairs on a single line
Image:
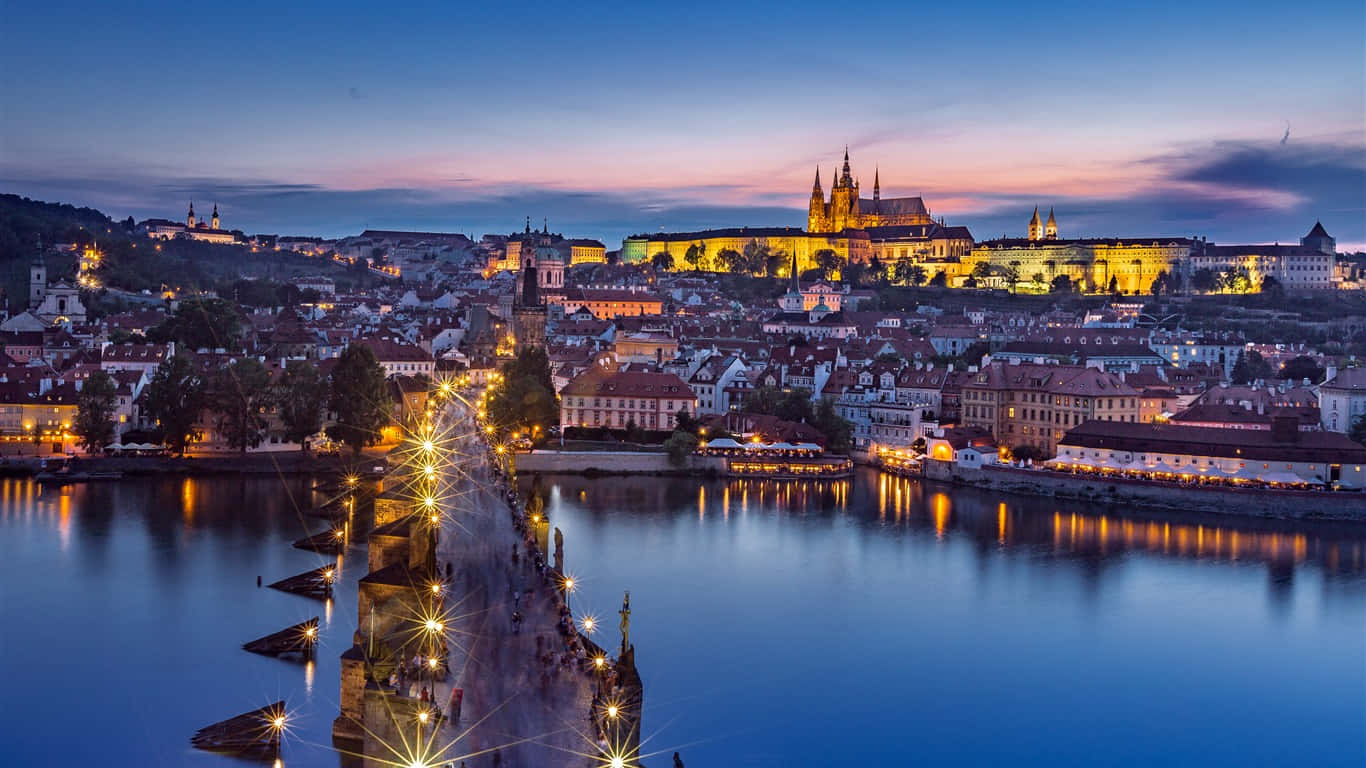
{"points": [[1129, 264], [193, 229], [846, 210], [1310, 265]]}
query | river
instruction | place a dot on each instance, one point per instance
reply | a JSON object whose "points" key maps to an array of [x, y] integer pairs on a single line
{"points": [[866, 622]]}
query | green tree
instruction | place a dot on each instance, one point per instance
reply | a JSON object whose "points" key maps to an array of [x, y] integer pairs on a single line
{"points": [[1038, 280], [300, 395], [1011, 273], [201, 324], [917, 275], [240, 394], [684, 422], [830, 263], [940, 279], [774, 261], [754, 257], [680, 446], [1114, 286], [981, 270], [1061, 284], [95, 406], [525, 396], [877, 269], [175, 397], [1236, 279], [1272, 287], [901, 270], [837, 431], [359, 397], [1204, 280], [662, 261]]}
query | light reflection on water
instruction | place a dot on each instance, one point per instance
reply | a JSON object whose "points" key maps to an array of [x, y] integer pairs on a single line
{"points": [[772, 617]]}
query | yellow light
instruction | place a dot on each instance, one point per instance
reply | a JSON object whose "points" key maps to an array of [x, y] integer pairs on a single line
{"points": [[432, 662], [339, 533], [436, 519], [278, 722], [569, 585], [535, 518], [499, 449], [327, 574], [617, 762], [433, 625], [612, 710], [422, 716], [588, 624], [428, 446], [436, 589], [311, 631], [599, 661]]}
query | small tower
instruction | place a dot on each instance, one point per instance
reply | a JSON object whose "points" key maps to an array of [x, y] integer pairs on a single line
{"points": [[792, 300], [1036, 226], [189, 220], [1319, 240], [1050, 230], [214, 220], [37, 279], [877, 186]]}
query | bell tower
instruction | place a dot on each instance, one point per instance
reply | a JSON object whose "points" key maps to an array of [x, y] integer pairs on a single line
{"points": [[214, 220], [1050, 230], [1036, 226], [189, 219], [37, 279]]}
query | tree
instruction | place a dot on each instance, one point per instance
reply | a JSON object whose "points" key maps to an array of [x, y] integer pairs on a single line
{"points": [[634, 432], [1061, 284], [95, 406], [1236, 280], [300, 396], [662, 261], [1272, 287], [731, 259], [1026, 452], [981, 270], [940, 279], [1358, 431], [1160, 283], [175, 396], [754, 257], [1250, 367], [774, 262], [837, 431], [830, 263], [201, 324], [684, 422], [901, 270], [360, 397], [240, 394], [877, 270], [1204, 280], [917, 275], [788, 405], [1302, 367], [693, 256], [680, 446], [1038, 280], [525, 396]]}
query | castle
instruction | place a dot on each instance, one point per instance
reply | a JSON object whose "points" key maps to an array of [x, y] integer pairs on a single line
{"points": [[193, 229], [846, 210]]}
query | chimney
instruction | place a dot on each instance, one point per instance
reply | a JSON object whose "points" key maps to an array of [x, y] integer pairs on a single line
{"points": [[1285, 429]]}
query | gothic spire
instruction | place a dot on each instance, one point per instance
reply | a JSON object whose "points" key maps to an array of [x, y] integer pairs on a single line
{"points": [[795, 288], [816, 188], [877, 184]]}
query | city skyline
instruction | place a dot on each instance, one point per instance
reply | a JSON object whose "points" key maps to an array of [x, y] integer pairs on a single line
{"points": [[330, 119]]}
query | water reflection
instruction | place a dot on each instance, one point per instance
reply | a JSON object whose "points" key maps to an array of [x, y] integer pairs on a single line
{"points": [[1063, 529]]}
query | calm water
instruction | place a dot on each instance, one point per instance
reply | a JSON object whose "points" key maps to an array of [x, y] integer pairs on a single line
{"points": [[863, 623]]}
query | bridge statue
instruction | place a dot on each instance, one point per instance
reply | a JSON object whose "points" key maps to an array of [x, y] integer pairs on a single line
{"points": [[559, 550], [625, 622]]}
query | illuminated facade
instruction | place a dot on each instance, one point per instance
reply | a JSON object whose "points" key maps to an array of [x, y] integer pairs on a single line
{"points": [[1310, 265], [1089, 263], [846, 210], [851, 245]]}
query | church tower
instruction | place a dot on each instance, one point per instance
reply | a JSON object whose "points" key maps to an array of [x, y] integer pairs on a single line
{"points": [[1050, 230], [37, 279], [214, 225], [815, 212], [189, 220], [844, 199], [1036, 226]]}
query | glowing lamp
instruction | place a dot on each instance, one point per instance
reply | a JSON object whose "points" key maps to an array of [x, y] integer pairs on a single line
{"points": [[278, 722], [612, 710]]}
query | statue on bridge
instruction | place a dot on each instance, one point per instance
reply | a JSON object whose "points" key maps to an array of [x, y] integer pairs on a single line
{"points": [[625, 622], [559, 550]]}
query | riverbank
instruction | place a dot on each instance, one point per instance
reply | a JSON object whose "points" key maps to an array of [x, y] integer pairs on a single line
{"points": [[592, 463], [273, 463], [1239, 502]]}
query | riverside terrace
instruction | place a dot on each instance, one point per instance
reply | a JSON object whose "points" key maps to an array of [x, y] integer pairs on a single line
{"points": [[1283, 456]]}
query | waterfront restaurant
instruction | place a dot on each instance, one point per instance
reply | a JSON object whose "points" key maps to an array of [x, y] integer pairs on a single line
{"points": [[1280, 457]]}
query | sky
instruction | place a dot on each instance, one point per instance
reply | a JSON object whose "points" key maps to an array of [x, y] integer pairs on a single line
{"points": [[1241, 122]]}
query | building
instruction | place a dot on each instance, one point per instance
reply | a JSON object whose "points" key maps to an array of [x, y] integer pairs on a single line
{"points": [[1310, 265], [607, 303], [600, 397], [192, 229], [845, 209], [1034, 405], [645, 347], [397, 357], [1342, 399], [1129, 265], [706, 245], [1282, 455]]}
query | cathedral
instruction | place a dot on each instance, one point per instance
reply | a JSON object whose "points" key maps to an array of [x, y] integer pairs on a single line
{"points": [[846, 210]]}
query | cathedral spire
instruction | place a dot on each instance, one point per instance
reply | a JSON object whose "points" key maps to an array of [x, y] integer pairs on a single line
{"points": [[527, 231], [845, 178], [877, 185], [816, 188], [794, 286]]}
